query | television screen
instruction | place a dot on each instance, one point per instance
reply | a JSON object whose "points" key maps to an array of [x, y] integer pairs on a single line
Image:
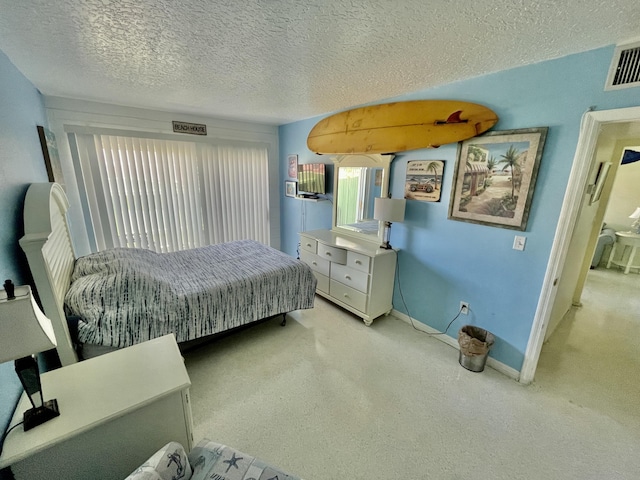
{"points": [[311, 178]]}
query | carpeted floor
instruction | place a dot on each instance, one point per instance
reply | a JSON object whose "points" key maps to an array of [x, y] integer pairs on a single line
{"points": [[328, 398]]}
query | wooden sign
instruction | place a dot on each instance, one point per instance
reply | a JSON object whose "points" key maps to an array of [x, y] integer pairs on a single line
{"points": [[190, 128]]}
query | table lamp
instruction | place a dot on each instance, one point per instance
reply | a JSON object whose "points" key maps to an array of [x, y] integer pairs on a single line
{"points": [[388, 210], [635, 226], [25, 331]]}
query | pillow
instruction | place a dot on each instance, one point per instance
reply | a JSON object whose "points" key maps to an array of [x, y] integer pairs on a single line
{"points": [[168, 463], [212, 460], [144, 473]]}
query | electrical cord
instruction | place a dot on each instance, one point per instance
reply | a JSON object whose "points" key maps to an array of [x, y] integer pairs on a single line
{"points": [[407, 308], [4, 437]]}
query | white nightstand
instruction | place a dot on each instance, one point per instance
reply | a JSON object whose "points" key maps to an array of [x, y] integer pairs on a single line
{"points": [[624, 240], [116, 410]]}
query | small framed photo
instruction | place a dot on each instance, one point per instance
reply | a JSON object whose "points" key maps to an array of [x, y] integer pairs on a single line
{"points": [[424, 180], [292, 161], [290, 188], [495, 176], [50, 154], [601, 177]]}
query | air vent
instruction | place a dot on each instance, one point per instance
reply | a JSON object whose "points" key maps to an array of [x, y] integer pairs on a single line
{"points": [[625, 67]]}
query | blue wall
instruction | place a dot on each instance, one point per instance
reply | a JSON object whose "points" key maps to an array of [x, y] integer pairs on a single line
{"points": [[21, 163], [443, 262]]}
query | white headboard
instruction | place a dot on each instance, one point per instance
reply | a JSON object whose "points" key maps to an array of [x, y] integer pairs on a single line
{"points": [[47, 245]]}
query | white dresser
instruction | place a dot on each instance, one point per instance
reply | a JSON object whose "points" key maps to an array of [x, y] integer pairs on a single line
{"points": [[355, 274]]}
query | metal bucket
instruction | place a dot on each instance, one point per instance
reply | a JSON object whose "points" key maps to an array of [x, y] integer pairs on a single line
{"points": [[475, 363], [475, 344]]}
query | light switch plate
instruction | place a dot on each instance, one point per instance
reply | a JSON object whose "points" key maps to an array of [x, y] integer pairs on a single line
{"points": [[518, 242]]}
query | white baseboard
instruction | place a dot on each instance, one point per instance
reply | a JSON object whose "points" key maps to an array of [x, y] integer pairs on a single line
{"points": [[452, 342]]}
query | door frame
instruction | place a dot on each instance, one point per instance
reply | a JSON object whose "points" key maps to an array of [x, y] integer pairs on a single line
{"points": [[583, 159]]}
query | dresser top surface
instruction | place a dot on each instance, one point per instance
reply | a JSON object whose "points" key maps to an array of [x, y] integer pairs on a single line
{"points": [[334, 239]]}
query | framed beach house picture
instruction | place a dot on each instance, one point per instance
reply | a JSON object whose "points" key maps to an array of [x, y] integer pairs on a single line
{"points": [[495, 177]]}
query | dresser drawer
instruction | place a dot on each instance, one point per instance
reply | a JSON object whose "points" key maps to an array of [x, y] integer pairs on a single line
{"points": [[308, 244], [316, 263], [348, 295], [323, 282], [358, 261], [351, 277], [336, 255]]}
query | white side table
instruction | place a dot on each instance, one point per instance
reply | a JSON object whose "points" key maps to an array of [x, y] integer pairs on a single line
{"points": [[116, 411], [624, 240]]}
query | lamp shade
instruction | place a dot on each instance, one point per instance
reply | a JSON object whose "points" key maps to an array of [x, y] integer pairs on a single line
{"points": [[24, 329], [389, 209], [636, 214]]}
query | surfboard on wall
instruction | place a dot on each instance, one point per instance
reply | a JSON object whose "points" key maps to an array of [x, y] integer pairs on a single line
{"points": [[400, 126]]}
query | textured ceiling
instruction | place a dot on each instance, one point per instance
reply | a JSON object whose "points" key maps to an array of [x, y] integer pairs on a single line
{"points": [[277, 61]]}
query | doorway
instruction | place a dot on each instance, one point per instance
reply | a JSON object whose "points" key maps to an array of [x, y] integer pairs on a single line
{"points": [[612, 140], [582, 173]]}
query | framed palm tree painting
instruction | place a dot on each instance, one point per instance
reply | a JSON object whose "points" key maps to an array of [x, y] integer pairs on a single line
{"points": [[495, 176]]}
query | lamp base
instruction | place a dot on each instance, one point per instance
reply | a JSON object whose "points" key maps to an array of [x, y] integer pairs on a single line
{"points": [[39, 415], [386, 235]]}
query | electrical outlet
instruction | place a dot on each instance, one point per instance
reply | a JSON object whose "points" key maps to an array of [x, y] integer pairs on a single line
{"points": [[464, 308]]}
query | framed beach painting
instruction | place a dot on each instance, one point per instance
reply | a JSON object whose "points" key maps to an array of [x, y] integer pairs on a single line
{"points": [[495, 177]]}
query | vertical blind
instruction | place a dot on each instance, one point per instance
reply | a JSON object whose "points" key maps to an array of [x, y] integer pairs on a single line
{"points": [[168, 195]]}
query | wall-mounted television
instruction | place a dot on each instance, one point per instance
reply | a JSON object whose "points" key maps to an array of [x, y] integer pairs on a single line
{"points": [[311, 178]]}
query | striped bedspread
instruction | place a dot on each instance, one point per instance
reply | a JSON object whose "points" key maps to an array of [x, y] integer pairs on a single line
{"points": [[126, 296]]}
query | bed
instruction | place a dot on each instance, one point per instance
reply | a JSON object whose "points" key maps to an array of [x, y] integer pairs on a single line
{"points": [[120, 297]]}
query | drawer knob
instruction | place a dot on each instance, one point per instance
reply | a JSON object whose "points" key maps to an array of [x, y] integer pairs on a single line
{"points": [[327, 253], [314, 263], [358, 262], [347, 277], [308, 244], [346, 296]]}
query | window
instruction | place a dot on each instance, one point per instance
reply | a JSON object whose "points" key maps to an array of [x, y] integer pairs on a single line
{"points": [[169, 195]]}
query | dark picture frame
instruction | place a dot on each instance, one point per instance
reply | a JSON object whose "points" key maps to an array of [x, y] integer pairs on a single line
{"points": [[601, 178], [51, 156], [495, 176]]}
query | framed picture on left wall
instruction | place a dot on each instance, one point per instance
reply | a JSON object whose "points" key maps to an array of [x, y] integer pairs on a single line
{"points": [[292, 161], [50, 154], [290, 188]]}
